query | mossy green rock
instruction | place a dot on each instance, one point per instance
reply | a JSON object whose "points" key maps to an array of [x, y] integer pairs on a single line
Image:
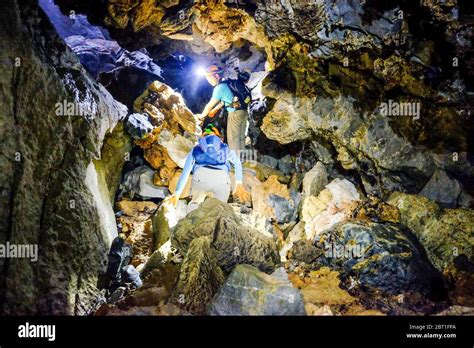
{"points": [[444, 233], [381, 257], [234, 243], [200, 277]]}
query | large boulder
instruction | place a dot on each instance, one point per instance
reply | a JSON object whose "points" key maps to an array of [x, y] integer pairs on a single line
{"points": [[444, 233], [273, 199], [442, 189], [333, 204], [233, 241], [200, 276], [247, 291], [52, 195], [379, 257]]}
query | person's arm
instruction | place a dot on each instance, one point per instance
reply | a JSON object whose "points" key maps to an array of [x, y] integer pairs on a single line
{"points": [[209, 106], [216, 96], [183, 179], [235, 161]]}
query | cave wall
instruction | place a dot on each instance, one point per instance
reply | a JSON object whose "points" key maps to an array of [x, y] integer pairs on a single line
{"points": [[51, 192], [329, 79]]}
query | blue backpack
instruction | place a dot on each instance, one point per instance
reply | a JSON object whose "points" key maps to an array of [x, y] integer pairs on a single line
{"points": [[211, 151]]}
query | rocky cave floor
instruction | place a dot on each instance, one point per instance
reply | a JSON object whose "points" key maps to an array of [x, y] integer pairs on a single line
{"points": [[352, 212], [310, 241]]}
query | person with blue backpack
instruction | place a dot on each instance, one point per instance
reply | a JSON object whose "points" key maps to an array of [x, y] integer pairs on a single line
{"points": [[210, 162], [233, 96]]}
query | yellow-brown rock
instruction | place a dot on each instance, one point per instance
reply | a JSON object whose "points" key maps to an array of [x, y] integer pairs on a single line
{"points": [[174, 181]]}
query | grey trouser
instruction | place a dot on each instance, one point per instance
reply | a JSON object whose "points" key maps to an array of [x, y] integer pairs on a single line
{"points": [[209, 182], [236, 127]]}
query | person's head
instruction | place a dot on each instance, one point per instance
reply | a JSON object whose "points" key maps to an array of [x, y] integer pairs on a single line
{"points": [[213, 75]]}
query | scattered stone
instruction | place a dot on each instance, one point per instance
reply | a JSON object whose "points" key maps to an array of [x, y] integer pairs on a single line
{"points": [[442, 189], [137, 208], [286, 165], [138, 125], [139, 182], [315, 180], [333, 204], [248, 291]]}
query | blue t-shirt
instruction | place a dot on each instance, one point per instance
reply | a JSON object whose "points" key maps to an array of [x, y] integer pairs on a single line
{"points": [[222, 92]]}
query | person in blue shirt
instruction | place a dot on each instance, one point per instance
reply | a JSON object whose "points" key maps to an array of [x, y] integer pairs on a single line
{"points": [[223, 96], [210, 162]]}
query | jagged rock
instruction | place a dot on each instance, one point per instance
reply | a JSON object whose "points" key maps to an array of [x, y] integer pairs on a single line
{"points": [[140, 182], [254, 220], [159, 159], [376, 210], [200, 276], [381, 257], [174, 182], [322, 152], [269, 161], [273, 199], [165, 219], [296, 118], [177, 116], [442, 189], [115, 152], [138, 125], [234, 242], [333, 204], [263, 172], [177, 146], [444, 233], [457, 311], [51, 194], [96, 54], [247, 291], [286, 165], [158, 271], [296, 234], [315, 180], [137, 228], [100, 55]]}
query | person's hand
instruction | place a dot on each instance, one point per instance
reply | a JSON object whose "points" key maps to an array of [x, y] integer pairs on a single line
{"points": [[200, 118], [173, 199], [241, 194]]}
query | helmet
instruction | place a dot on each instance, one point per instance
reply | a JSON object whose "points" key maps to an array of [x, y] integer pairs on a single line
{"points": [[213, 70], [211, 130]]}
